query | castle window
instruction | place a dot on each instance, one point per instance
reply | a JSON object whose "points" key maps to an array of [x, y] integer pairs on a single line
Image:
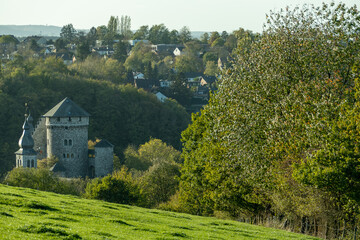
{"points": [[69, 119], [65, 142], [28, 163], [64, 155], [32, 163], [72, 155], [66, 127], [79, 119], [70, 142], [58, 119], [67, 156]]}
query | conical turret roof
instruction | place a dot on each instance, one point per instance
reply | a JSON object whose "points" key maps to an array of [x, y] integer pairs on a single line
{"points": [[26, 142], [67, 108]]}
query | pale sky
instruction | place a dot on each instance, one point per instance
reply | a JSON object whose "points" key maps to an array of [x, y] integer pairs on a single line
{"points": [[198, 15]]}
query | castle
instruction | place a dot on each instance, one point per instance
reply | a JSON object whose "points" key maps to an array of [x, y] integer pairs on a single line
{"points": [[63, 132]]}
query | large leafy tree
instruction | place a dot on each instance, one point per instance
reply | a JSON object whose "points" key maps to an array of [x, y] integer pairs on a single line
{"points": [[275, 108], [159, 34], [68, 33]]}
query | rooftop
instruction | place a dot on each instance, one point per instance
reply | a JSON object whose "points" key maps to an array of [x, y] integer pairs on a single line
{"points": [[67, 108]]}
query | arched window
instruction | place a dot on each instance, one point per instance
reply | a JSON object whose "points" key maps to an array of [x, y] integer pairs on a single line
{"points": [[72, 155], [28, 163], [67, 155], [69, 119], [70, 142], [64, 155], [32, 163], [65, 142]]}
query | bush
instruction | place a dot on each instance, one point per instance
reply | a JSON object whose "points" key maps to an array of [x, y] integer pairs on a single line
{"points": [[118, 188], [44, 180]]}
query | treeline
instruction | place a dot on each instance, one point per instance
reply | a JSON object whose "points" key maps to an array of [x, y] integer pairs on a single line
{"points": [[120, 113], [279, 141]]}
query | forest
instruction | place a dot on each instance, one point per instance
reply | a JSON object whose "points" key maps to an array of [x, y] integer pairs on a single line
{"points": [[277, 144]]}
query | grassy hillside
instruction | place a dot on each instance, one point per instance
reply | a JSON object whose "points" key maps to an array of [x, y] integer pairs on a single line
{"points": [[30, 214]]}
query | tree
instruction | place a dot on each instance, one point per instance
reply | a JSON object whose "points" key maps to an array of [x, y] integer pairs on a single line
{"points": [[160, 167], [224, 35], [68, 33], [185, 34], [83, 50], [91, 36], [112, 30], [113, 25], [47, 163], [121, 50], [101, 32], [60, 44], [278, 122], [34, 46], [174, 37], [188, 62], [118, 188], [211, 68], [125, 27], [204, 38], [160, 182], [219, 42], [214, 35], [159, 34], [231, 42], [210, 56], [179, 90], [142, 33], [140, 55]]}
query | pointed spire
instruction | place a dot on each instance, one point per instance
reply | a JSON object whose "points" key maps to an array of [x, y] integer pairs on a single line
{"points": [[26, 141], [30, 121]]}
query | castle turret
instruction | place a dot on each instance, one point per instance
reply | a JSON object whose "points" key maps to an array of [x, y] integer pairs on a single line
{"points": [[101, 160], [67, 137], [26, 155]]}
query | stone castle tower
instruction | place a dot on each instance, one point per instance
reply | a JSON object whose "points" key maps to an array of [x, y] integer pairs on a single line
{"points": [[26, 155], [67, 137], [62, 132]]}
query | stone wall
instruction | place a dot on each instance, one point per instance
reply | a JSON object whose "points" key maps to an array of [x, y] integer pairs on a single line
{"points": [[67, 139], [39, 137], [104, 161]]}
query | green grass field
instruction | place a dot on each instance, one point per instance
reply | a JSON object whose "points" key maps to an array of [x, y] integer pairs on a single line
{"points": [[30, 214]]}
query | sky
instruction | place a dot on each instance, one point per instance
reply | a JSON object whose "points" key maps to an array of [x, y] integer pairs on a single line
{"points": [[198, 15]]}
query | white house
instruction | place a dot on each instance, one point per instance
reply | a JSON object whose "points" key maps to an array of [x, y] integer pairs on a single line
{"points": [[165, 83], [161, 97]]}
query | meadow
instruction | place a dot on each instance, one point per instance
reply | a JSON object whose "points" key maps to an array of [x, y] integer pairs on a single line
{"points": [[31, 214]]}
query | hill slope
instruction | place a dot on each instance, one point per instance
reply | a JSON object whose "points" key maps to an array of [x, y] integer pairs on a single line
{"points": [[30, 214], [30, 30]]}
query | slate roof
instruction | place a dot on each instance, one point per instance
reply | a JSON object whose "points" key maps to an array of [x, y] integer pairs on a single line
{"points": [[104, 144], [67, 108], [58, 167]]}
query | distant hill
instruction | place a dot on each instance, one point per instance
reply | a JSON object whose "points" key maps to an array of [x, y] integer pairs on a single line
{"points": [[44, 30], [29, 30]]}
